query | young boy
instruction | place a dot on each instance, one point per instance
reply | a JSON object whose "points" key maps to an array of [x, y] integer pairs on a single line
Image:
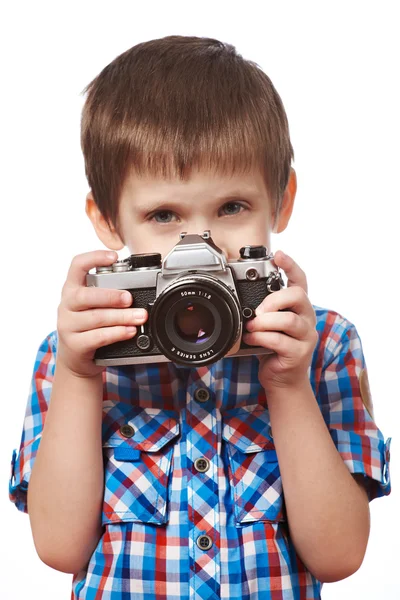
{"points": [[250, 477]]}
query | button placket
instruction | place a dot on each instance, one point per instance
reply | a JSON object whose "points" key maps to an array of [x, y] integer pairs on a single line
{"points": [[203, 502]]}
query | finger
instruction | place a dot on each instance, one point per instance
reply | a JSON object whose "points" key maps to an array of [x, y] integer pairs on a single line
{"points": [[280, 343], [295, 275], [83, 263], [111, 317], [96, 338], [83, 298], [294, 298], [286, 322]]}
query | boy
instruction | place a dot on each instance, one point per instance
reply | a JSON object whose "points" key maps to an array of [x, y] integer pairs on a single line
{"points": [[248, 478]]}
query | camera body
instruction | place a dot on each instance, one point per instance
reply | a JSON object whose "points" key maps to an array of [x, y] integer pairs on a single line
{"points": [[198, 302]]}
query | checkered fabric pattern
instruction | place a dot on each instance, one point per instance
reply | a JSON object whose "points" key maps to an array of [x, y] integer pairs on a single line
{"points": [[159, 504]]}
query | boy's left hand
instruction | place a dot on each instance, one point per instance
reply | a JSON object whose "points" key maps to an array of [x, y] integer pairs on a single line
{"points": [[291, 334]]}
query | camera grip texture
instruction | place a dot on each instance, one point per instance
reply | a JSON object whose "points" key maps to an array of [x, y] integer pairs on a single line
{"points": [[252, 293]]}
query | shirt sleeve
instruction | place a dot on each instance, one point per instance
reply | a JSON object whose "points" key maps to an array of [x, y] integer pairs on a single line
{"points": [[35, 415], [346, 405]]}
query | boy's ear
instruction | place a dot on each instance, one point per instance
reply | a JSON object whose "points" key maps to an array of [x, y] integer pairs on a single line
{"points": [[109, 237], [287, 203]]}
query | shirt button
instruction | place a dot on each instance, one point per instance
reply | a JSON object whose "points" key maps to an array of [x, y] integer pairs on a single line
{"points": [[202, 395], [127, 431], [202, 464], [204, 542]]}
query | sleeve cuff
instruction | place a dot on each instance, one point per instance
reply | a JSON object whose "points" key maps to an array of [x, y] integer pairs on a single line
{"points": [[367, 455], [20, 475]]}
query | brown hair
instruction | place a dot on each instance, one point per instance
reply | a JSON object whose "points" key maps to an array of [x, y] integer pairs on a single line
{"points": [[168, 105]]}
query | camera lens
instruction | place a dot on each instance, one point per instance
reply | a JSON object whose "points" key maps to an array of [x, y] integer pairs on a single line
{"points": [[194, 323], [196, 320]]}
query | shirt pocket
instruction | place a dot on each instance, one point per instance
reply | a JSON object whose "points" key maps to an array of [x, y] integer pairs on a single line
{"points": [[137, 453], [254, 474]]}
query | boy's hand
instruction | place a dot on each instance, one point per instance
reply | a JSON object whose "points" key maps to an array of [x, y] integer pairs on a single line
{"points": [[91, 317], [291, 334]]}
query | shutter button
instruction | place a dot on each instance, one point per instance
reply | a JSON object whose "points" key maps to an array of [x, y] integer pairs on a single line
{"points": [[204, 542], [127, 431], [202, 395], [202, 464]]}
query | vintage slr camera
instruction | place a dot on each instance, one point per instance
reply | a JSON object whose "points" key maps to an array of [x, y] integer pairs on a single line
{"points": [[198, 302]]}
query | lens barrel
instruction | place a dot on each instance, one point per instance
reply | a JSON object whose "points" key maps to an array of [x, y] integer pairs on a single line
{"points": [[196, 320]]}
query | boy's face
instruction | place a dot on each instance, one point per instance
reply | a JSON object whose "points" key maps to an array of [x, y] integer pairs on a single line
{"points": [[154, 211]]}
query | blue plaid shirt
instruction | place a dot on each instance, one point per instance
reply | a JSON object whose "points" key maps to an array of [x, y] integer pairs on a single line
{"points": [[193, 499]]}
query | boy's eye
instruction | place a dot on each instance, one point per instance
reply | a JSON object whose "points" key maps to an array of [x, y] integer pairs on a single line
{"points": [[232, 208], [162, 216]]}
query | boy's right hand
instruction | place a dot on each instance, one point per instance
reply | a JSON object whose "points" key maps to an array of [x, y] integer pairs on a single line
{"points": [[91, 317]]}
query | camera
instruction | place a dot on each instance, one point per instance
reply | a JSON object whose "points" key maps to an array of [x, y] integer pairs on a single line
{"points": [[198, 301]]}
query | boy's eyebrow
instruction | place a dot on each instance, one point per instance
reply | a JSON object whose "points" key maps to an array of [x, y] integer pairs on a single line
{"points": [[232, 196]]}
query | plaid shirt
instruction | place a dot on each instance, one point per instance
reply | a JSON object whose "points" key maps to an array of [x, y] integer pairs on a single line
{"points": [[189, 453]]}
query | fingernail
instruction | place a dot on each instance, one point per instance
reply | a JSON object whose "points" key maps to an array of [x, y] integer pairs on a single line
{"points": [[283, 254]]}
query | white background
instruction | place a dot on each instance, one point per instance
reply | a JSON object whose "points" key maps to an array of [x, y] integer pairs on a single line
{"points": [[336, 67]]}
